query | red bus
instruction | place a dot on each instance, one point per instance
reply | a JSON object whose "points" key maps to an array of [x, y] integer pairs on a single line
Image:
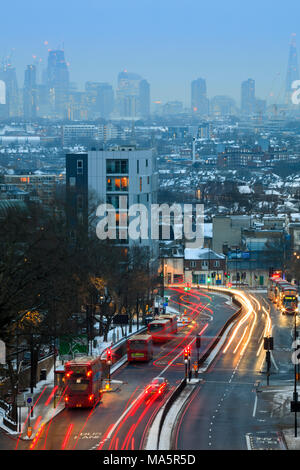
{"points": [[140, 348], [160, 330], [83, 382], [173, 319]]}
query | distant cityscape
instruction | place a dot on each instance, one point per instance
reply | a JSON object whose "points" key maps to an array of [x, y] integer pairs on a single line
{"points": [[50, 94]]}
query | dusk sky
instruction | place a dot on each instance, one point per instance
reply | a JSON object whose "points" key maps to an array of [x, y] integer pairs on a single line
{"points": [[170, 43]]}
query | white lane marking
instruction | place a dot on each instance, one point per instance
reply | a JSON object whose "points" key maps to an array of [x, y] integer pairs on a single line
{"points": [[255, 407]]}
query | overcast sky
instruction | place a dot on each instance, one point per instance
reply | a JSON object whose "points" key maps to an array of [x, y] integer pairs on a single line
{"points": [[168, 42]]}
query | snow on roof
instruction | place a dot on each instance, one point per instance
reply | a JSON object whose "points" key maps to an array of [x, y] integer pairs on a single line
{"points": [[245, 189], [201, 253]]}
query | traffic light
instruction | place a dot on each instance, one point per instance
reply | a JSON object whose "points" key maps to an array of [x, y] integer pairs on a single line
{"points": [[185, 354], [208, 279], [109, 356], [187, 287]]}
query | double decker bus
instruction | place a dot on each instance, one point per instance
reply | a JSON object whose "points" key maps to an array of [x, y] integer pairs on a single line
{"points": [[173, 319], [284, 295], [287, 299], [139, 348], [83, 382], [273, 288], [160, 330]]}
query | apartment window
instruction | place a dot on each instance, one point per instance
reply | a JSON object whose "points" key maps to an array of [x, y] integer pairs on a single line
{"points": [[72, 181], [116, 166], [204, 264], [137, 166], [192, 264], [148, 179], [141, 183], [79, 167], [217, 264], [146, 163], [117, 184]]}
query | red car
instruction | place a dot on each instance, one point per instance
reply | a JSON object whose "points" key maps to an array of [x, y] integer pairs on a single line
{"points": [[157, 386]]}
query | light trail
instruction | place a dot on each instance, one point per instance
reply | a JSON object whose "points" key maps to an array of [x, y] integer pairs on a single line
{"points": [[245, 330], [247, 304], [67, 436]]}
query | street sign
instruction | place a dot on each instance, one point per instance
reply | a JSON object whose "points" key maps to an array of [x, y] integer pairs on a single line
{"points": [[69, 345], [20, 400], [295, 406], [29, 400], [268, 343]]}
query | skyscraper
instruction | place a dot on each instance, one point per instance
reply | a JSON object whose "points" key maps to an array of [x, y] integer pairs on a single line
{"points": [[58, 82], [292, 70], [100, 99], [9, 77], [248, 100], [133, 95], [30, 93], [199, 100], [144, 94]]}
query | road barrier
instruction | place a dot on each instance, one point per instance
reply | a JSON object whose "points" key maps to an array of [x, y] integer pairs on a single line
{"points": [[168, 405]]}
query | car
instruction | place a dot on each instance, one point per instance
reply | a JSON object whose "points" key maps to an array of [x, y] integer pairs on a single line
{"points": [[157, 386]]}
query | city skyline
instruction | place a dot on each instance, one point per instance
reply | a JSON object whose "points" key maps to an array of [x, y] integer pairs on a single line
{"points": [[170, 47]]}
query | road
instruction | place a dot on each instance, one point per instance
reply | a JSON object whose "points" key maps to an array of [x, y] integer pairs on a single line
{"points": [[122, 419], [226, 411]]}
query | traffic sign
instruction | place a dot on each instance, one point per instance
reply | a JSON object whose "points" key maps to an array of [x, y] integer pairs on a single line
{"points": [[20, 400], [29, 400]]}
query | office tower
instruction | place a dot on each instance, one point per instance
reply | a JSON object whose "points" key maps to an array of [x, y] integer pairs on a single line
{"points": [[133, 95], [248, 100], [58, 83], [199, 100], [9, 77], [100, 100], [109, 174], [30, 93], [292, 70], [144, 94]]}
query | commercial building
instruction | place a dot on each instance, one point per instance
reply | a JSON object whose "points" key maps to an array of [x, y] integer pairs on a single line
{"points": [[204, 266], [248, 100], [132, 96], [30, 93], [199, 100], [58, 83]]}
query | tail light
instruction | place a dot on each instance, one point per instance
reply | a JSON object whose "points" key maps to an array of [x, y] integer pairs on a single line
{"points": [[91, 397], [89, 373], [66, 398]]}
